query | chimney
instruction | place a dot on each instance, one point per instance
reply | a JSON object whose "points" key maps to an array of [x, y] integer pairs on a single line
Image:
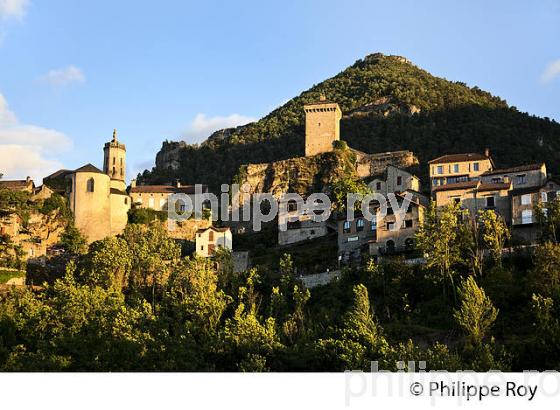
{"points": [[28, 179], [133, 183], [178, 183], [487, 152]]}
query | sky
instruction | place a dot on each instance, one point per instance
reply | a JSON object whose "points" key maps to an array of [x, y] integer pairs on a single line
{"points": [[72, 71]]}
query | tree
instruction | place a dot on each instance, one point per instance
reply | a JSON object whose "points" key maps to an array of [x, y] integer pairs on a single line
{"points": [[476, 314], [548, 216], [545, 275], [153, 254], [438, 238], [494, 233], [358, 342], [73, 241], [107, 264], [347, 185], [250, 343]]}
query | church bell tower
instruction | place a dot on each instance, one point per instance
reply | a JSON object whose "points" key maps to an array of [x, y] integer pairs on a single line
{"points": [[114, 162]]}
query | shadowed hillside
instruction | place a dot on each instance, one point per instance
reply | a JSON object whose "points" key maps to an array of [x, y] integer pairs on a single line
{"points": [[389, 104]]}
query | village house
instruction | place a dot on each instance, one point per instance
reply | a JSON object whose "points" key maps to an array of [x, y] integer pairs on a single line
{"points": [[23, 185], [394, 179], [524, 223], [476, 196], [388, 240], [378, 236], [457, 168], [157, 196], [209, 239], [520, 177]]}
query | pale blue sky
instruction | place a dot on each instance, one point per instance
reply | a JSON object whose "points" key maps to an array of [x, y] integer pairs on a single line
{"points": [[71, 71]]}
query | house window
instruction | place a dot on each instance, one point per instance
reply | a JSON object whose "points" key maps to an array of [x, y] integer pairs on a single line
{"points": [[456, 168], [399, 180], [373, 225], [360, 223], [521, 179], [457, 200], [440, 169], [526, 199], [408, 223], [490, 202], [114, 160], [211, 236], [378, 186], [90, 185], [496, 180], [475, 166], [390, 226], [346, 227], [126, 201], [527, 216]]}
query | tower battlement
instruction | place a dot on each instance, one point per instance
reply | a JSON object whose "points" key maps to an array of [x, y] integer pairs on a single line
{"points": [[322, 126]]}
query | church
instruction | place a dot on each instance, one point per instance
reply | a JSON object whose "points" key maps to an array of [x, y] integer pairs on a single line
{"points": [[98, 199]]}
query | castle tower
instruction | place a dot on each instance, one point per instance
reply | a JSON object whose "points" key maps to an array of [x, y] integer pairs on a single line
{"points": [[114, 162], [322, 126]]}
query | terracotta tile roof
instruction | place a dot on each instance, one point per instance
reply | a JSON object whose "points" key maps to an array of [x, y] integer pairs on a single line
{"points": [[498, 186], [89, 168], [458, 158], [457, 186], [521, 168], [166, 189], [215, 229], [15, 184]]}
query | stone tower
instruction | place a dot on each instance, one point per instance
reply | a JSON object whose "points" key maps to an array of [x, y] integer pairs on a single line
{"points": [[322, 126], [114, 162]]}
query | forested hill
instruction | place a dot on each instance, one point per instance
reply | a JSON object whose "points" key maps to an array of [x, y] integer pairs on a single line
{"points": [[388, 104]]}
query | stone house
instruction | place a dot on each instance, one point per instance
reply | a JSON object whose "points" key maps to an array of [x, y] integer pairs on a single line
{"points": [[23, 185], [389, 240], [394, 179], [475, 196], [378, 236], [520, 177], [524, 224], [209, 239], [157, 196], [457, 168]]}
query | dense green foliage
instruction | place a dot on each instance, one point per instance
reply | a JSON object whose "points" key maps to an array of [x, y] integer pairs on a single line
{"points": [[133, 303], [453, 118]]}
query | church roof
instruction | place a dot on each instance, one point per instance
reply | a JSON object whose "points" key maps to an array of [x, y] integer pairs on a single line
{"points": [[89, 168], [116, 191]]}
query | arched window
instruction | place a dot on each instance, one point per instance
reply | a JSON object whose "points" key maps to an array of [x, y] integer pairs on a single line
{"points": [[409, 244], [90, 185]]}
